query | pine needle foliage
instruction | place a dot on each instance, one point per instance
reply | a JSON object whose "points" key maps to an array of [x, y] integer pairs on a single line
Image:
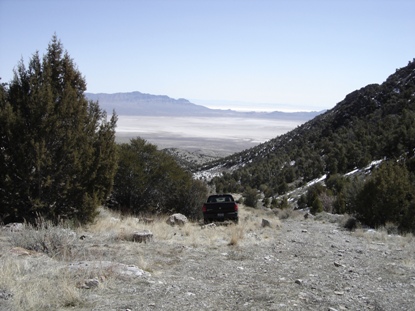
{"points": [[58, 155], [388, 196], [149, 181]]}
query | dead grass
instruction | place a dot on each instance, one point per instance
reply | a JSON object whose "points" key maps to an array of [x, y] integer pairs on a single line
{"points": [[237, 234], [113, 226], [381, 236], [37, 272], [37, 285], [287, 213], [55, 241]]}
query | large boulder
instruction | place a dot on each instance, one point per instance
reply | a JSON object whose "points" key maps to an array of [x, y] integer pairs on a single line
{"points": [[177, 219]]}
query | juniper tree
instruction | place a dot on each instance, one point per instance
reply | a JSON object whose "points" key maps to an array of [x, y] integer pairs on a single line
{"points": [[150, 181], [58, 151], [388, 196]]}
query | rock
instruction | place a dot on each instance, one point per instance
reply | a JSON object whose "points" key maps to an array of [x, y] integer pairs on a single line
{"points": [[177, 219], [115, 267], [304, 231], [308, 215], [299, 282], [142, 236], [337, 264], [90, 283], [211, 225], [5, 295], [266, 223]]}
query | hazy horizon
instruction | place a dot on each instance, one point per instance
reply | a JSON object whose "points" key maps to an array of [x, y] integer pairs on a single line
{"points": [[255, 106], [304, 54]]}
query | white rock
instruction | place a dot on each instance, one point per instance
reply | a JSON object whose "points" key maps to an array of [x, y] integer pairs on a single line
{"points": [[177, 219]]}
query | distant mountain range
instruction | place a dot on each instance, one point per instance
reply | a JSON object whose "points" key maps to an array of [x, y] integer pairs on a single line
{"points": [[140, 104]]}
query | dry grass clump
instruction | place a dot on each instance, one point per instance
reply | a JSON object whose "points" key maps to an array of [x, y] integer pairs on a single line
{"points": [[236, 234], [410, 239], [37, 285], [381, 235], [114, 226], [287, 213], [250, 226], [44, 237]]}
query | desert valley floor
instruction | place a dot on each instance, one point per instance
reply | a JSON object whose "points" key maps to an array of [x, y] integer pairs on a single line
{"points": [[216, 136]]}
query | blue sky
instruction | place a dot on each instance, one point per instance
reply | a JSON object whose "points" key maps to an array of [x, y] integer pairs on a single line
{"points": [[264, 55]]}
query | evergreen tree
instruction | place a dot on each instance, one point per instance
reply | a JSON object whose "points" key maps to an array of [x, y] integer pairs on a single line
{"points": [[58, 149], [388, 196], [251, 197], [149, 180]]}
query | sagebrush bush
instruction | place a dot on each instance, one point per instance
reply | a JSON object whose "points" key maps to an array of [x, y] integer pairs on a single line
{"points": [[44, 237], [286, 213], [350, 223]]}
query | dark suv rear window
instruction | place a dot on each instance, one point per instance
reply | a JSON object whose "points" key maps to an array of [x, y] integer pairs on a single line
{"points": [[220, 198]]}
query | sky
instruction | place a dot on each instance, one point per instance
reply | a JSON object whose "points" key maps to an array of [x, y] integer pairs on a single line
{"points": [[263, 55]]}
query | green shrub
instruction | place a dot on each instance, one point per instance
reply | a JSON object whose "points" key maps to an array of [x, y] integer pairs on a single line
{"points": [[388, 196], [151, 181], [316, 207], [58, 154], [251, 197]]}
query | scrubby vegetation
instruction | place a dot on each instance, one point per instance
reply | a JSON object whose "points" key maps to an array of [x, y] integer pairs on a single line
{"points": [[151, 181], [59, 159], [58, 156]]}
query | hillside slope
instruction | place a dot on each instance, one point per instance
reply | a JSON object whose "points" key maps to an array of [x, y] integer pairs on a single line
{"points": [[375, 122]]}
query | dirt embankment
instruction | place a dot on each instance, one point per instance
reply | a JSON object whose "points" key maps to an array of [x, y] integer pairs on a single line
{"points": [[296, 264]]}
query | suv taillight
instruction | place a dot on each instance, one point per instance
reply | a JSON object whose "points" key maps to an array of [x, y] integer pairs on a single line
{"points": [[204, 208], [236, 207]]}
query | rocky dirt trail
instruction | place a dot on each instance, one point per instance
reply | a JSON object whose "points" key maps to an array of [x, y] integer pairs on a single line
{"points": [[297, 264], [306, 265]]}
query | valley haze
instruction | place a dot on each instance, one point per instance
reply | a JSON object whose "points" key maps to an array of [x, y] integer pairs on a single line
{"points": [[178, 123]]}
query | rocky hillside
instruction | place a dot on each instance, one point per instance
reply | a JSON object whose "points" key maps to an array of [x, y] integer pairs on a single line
{"points": [[191, 159], [375, 122]]}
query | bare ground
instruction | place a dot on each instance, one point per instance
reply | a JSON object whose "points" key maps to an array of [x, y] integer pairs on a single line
{"points": [[297, 264]]}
